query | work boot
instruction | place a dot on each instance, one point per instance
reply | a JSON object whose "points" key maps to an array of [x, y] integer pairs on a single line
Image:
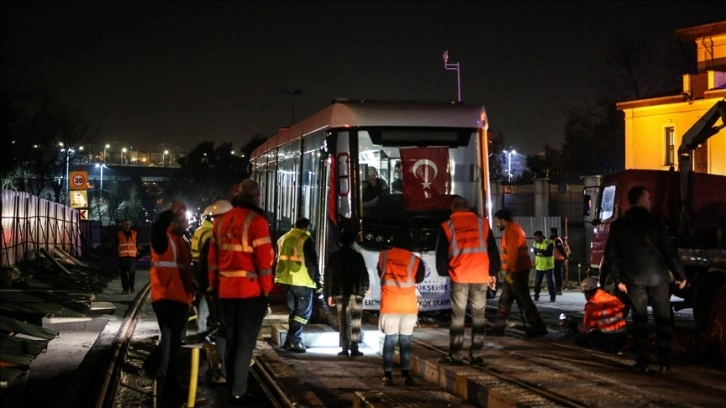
{"points": [[344, 353], [354, 352], [387, 378], [536, 332], [498, 327]]}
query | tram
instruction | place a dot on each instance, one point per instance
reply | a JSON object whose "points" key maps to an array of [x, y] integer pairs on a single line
{"points": [[319, 168]]}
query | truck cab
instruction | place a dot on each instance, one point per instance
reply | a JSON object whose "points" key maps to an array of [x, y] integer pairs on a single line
{"points": [[700, 245]]}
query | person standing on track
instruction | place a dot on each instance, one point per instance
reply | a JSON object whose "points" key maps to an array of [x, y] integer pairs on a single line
{"points": [[544, 263], [172, 291], [400, 270], [639, 255], [467, 253], [126, 244], [516, 265], [297, 270], [240, 276], [346, 283]]}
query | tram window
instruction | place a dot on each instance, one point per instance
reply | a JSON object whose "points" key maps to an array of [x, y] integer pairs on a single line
{"points": [[420, 137]]}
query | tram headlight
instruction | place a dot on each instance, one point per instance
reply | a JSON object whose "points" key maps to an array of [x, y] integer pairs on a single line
{"points": [[369, 237], [379, 239]]}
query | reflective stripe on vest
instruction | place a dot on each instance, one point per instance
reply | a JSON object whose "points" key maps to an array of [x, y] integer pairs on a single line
{"points": [[199, 239], [167, 264], [557, 254], [126, 247], [238, 274], [522, 261], [541, 262], [409, 272], [243, 247], [291, 267], [454, 247]]}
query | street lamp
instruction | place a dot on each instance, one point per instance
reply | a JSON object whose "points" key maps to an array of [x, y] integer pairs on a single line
{"points": [[104, 152], [67, 152], [123, 155], [292, 95], [509, 152], [453, 67], [166, 152], [101, 166]]}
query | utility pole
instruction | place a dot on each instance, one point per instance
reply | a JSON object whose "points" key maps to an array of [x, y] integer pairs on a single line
{"points": [[453, 67], [292, 94]]}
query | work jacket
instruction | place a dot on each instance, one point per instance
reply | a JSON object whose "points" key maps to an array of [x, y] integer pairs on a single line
{"points": [[639, 250], [515, 257], [241, 255], [170, 272], [544, 258], [200, 237], [127, 246], [293, 266], [400, 270], [468, 237], [603, 312]]}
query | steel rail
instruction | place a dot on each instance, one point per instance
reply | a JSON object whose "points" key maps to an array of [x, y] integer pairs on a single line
{"points": [[547, 394], [269, 386], [120, 346]]}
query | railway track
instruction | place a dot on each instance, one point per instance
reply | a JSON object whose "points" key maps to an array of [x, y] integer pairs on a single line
{"points": [[124, 383], [549, 369]]}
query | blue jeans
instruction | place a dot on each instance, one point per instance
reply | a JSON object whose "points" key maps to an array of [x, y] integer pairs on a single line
{"points": [[473, 295], [300, 305], [538, 284], [389, 347]]}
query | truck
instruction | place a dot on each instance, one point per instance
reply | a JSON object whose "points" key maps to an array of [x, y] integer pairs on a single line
{"points": [[693, 206]]}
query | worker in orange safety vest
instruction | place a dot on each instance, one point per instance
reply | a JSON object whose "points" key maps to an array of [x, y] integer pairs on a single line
{"points": [[126, 244], [240, 274], [399, 270]]}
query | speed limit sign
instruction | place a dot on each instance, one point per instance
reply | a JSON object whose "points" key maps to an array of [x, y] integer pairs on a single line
{"points": [[78, 180]]}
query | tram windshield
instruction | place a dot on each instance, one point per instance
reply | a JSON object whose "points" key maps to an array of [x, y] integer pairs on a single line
{"points": [[407, 178]]}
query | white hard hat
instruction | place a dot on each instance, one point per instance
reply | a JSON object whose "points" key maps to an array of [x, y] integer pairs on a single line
{"points": [[219, 207], [590, 283]]}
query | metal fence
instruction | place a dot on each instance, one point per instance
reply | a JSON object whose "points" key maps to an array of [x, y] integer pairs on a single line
{"points": [[30, 223]]}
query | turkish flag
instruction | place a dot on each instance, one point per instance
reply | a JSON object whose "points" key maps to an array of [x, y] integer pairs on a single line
{"points": [[426, 178]]}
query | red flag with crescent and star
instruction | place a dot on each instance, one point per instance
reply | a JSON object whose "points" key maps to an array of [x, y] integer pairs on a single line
{"points": [[426, 178]]}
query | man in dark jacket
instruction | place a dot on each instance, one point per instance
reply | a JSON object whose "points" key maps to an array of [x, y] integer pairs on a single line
{"points": [[638, 255], [345, 283]]}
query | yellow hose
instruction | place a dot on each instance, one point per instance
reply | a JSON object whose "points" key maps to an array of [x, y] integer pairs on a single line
{"points": [[191, 399]]}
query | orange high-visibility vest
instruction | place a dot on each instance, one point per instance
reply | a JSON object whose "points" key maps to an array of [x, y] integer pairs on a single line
{"points": [[398, 281], [604, 312], [167, 269], [127, 247], [515, 256], [241, 255], [557, 253], [468, 252]]}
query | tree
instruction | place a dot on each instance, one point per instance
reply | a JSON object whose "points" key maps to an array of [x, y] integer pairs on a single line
{"points": [[35, 129], [594, 139], [208, 173], [496, 146]]}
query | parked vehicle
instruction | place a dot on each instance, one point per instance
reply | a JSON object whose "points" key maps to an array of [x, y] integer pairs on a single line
{"points": [[692, 204]]}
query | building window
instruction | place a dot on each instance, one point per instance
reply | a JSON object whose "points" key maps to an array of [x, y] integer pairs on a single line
{"points": [[670, 142]]}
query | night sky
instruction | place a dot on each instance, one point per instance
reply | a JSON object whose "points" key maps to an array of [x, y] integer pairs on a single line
{"points": [[162, 75]]}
